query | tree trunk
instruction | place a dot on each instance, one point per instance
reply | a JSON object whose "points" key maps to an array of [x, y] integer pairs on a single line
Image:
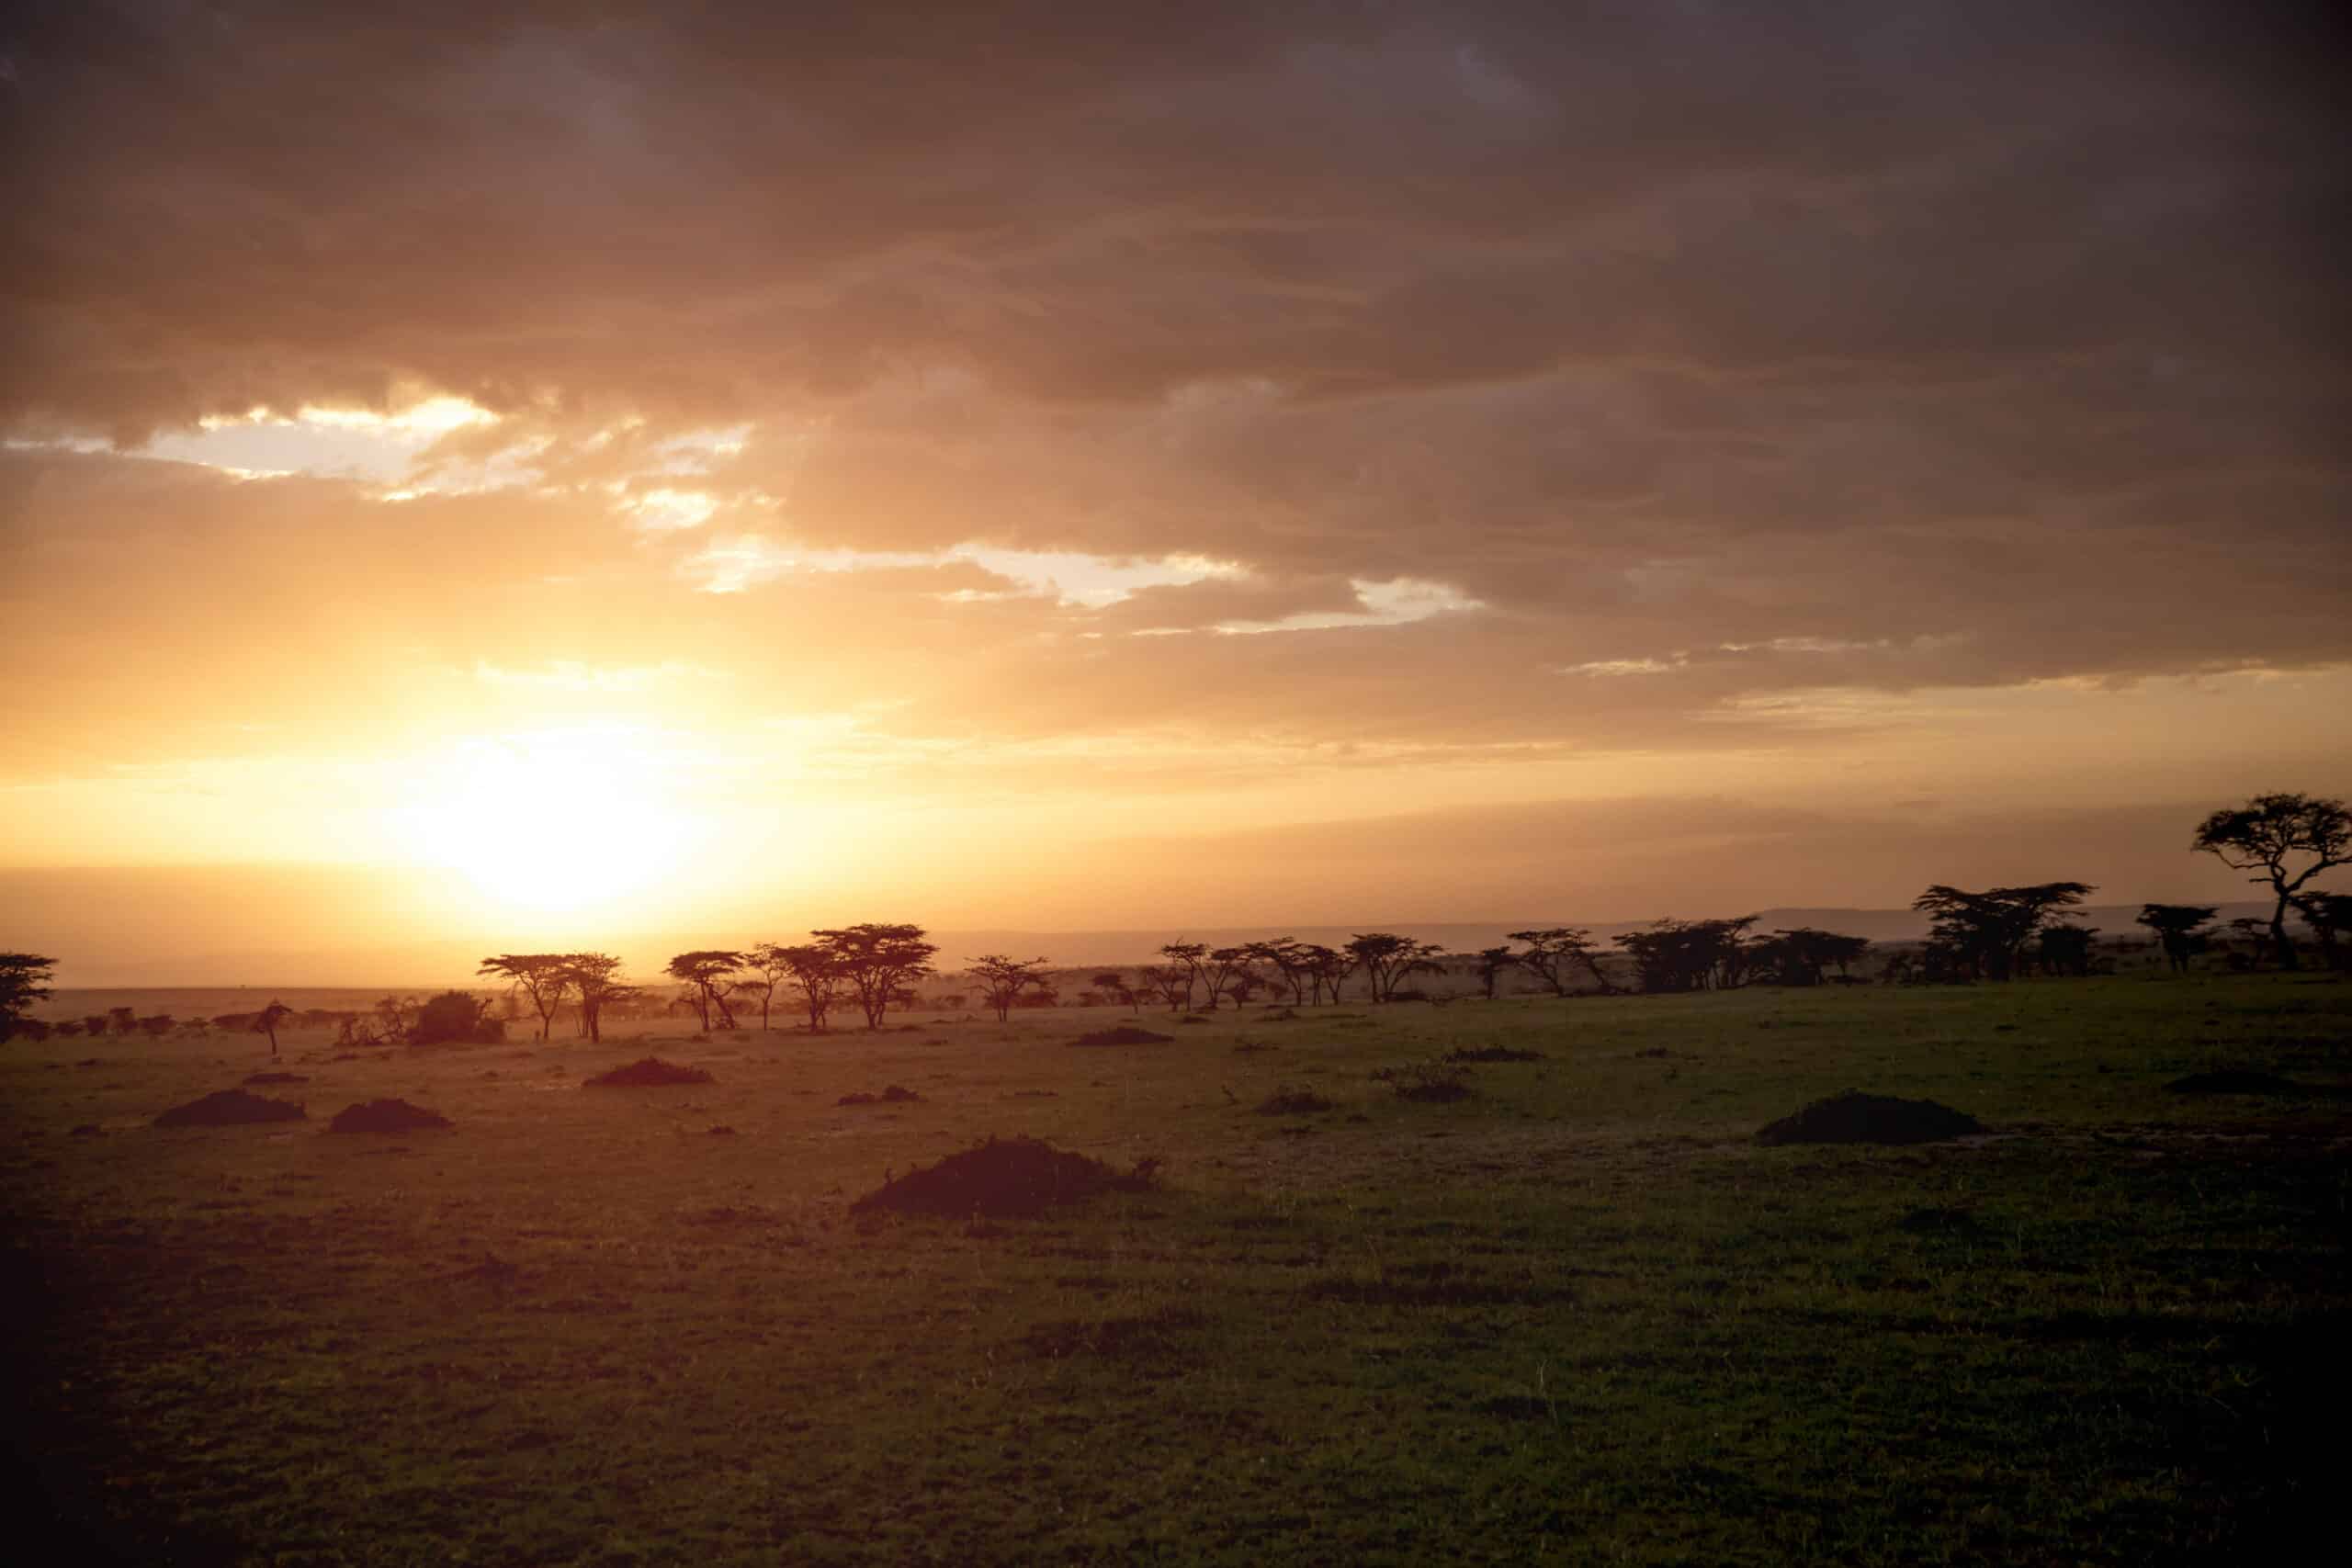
{"points": [[2279, 935]]}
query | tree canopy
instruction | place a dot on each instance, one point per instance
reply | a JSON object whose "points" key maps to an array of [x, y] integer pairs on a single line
{"points": [[1982, 935], [877, 961], [704, 969], [23, 980], [542, 976], [2268, 835]]}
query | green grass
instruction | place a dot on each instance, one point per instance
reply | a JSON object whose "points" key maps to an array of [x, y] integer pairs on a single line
{"points": [[1579, 1315]]}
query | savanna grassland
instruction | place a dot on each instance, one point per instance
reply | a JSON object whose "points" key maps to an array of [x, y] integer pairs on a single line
{"points": [[1580, 1314]]}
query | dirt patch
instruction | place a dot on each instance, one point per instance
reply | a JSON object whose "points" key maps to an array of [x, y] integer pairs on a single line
{"points": [[2236, 1081], [1289, 1101], [1492, 1054], [1856, 1118], [386, 1116], [721, 1131], [651, 1072], [229, 1107], [1124, 1034], [274, 1077], [1005, 1177], [894, 1095]]}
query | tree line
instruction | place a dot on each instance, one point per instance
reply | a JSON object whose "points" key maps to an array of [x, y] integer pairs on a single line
{"points": [[2284, 841]]}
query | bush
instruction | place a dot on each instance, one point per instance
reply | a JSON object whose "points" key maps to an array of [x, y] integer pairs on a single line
{"points": [[455, 1018], [1436, 1081]]}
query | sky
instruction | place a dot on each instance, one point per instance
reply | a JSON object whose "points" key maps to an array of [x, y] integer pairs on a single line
{"points": [[561, 474]]}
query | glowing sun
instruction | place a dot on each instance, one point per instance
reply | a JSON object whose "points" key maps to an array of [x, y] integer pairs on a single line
{"points": [[547, 824]]}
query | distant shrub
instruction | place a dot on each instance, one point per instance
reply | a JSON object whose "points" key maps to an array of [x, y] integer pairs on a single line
{"points": [[1429, 1081], [455, 1018], [1289, 1101]]}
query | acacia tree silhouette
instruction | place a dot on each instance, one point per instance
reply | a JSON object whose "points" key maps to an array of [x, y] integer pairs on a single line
{"points": [[703, 969], [1388, 959], [1185, 959], [2179, 930], [1985, 933], [267, 1021], [2326, 914], [594, 977], [23, 980], [542, 976], [1003, 979], [1492, 962], [877, 961], [1551, 951], [2264, 834]]}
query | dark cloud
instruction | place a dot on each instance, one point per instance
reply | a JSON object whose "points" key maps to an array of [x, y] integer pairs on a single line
{"points": [[1823, 345]]}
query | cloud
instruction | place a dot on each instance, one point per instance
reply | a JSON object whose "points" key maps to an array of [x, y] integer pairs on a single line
{"points": [[1651, 382]]}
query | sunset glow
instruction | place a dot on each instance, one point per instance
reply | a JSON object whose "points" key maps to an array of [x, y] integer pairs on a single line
{"points": [[570, 823], [1263, 782], [545, 486]]}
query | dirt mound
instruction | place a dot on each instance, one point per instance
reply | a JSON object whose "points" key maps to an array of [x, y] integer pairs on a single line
{"points": [[894, 1095], [651, 1072], [275, 1077], [229, 1108], [1856, 1118], [2237, 1080], [1005, 1177], [385, 1116], [1124, 1034]]}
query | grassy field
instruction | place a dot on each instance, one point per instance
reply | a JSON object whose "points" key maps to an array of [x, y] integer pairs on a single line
{"points": [[1578, 1316]]}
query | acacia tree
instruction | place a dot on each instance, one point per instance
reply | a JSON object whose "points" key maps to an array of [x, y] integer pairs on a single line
{"points": [[773, 968], [542, 976], [1287, 959], [23, 980], [1326, 969], [809, 969], [267, 1021], [2065, 948], [1492, 962], [704, 969], [1161, 983], [1691, 955], [1802, 955], [1003, 979], [2326, 914], [1553, 952], [2180, 928], [1113, 984], [1185, 959], [1984, 933], [1388, 958], [877, 961], [1227, 968], [2266, 835], [594, 978]]}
